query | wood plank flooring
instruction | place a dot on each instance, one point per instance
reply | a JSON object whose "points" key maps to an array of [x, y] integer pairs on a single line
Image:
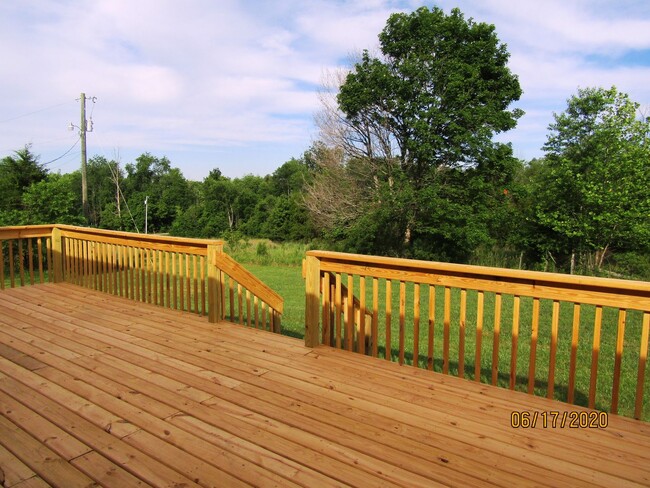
{"points": [[97, 390]]}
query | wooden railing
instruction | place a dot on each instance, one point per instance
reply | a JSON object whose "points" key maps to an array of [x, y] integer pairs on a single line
{"points": [[193, 275], [578, 339], [25, 255]]}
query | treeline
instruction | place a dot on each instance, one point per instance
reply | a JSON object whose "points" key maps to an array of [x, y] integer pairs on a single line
{"points": [[269, 206], [487, 215]]}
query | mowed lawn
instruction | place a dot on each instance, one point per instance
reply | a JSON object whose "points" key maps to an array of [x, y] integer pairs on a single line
{"points": [[288, 282]]}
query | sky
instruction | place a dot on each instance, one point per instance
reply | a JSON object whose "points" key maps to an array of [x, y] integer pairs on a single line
{"points": [[233, 84]]}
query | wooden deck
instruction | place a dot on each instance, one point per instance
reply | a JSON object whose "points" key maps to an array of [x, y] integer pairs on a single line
{"points": [[96, 389]]}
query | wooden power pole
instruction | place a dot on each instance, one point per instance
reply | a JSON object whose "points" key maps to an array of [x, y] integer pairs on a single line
{"points": [[84, 175]]}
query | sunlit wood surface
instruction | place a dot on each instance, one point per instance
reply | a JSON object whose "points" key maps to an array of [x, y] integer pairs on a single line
{"points": [[99, 389]]}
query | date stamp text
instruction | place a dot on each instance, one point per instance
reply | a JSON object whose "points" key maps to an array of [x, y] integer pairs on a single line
{"points": [[556, 419]]}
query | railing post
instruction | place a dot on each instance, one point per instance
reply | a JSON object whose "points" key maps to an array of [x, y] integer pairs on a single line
{"points": [[312, 301], [57, 255], [276, 322], [215, 284]]}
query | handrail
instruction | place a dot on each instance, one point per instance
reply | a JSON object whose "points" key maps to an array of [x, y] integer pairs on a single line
{"points": [[449, 308], [179, 273], [590, 289], [250, 281]]}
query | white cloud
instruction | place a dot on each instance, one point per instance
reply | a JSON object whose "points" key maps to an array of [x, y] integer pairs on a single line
{"points": [[200, 77]]}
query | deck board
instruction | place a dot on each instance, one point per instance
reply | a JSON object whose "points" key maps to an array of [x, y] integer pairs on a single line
{"points": [[108, 391]]}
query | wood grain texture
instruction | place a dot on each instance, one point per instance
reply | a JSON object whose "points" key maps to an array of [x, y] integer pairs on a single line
{"points": [[96, 388]]}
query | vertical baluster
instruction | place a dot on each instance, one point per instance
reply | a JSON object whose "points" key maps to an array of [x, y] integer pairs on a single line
{"points": [[133, 273], [575, 334], [181, 279], [265, 325], [154, 273], [402, 318], [496, 337], [248, 307], [223, 295], [461, 333], [349, 323], [12, 279], [595, 350], [105, 268], [21, 268], [240, 307], [115, 268], [533, 346], [643, 358], [50, 266], [175, 265], [2, 264], [620, 337], [375, 316], [39, 250], [255, 308], [188, 285], [416, 324], [150, 274], [202, 265], [326, 332], [555, 320], [479, 335], [446, 330], [389, 318], [30, 256], [337, 306], [515, 340], [231, 287], [432, 319], [87, 265], [195, 274], [361, 337]]}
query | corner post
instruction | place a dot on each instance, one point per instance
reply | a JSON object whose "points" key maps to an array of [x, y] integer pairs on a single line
{"points": [[57, 255], [214, 283], [312, 301]]}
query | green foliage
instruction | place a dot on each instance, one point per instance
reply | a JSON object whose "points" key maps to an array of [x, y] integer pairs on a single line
{"points": [[17, 173], [443, 89], [591, 190], [52, 200]]}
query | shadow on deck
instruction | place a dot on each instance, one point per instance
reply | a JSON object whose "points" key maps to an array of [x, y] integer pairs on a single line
{"points": [[100, 389]]}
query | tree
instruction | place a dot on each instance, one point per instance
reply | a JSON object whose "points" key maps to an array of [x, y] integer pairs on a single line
{"points": [[415, 125], [17, 173], [592, 190], [52, 200], [442, 89]]}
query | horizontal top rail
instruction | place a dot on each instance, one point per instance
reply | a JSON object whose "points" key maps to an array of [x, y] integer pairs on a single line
{"points": [[150, 241], [25, 231], [250, 281], [555, 286]]}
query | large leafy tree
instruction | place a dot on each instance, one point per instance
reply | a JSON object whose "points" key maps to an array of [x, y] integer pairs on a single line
{"points": [[442, 88], [422, 116], [592, 189]]}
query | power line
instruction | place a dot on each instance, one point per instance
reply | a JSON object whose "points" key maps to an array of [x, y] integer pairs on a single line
{"points": [[65, 153], [34, 112]]}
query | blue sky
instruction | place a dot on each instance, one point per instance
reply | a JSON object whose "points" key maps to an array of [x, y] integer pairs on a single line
{"points": [[233, 84]]}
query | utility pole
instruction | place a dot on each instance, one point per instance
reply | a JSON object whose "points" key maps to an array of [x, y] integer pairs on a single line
{"points": [[83, 128], [84, 174]]}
